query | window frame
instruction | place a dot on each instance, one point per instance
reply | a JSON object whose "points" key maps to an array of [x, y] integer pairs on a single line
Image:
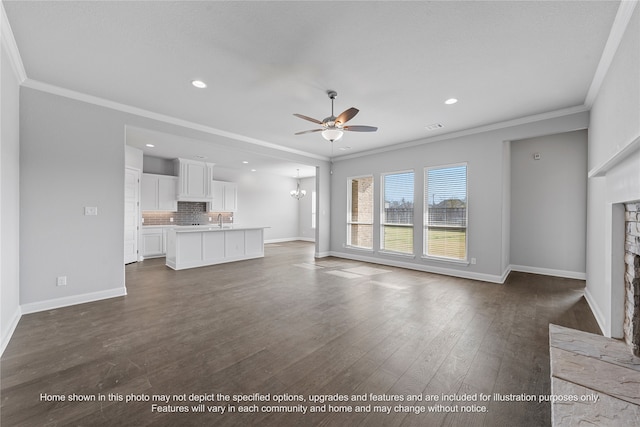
{"points": [[425, 212], [382, 225], [349, 213]]}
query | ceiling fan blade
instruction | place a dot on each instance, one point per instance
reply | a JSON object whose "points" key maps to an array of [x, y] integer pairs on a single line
{"points": [[309, 131], [308, 118], [347, 115], [357, 128]]}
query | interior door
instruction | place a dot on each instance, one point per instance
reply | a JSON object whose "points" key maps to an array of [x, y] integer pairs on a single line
{"points": [[131, 215]]}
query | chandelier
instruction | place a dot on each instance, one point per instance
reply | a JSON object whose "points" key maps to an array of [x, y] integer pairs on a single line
{"points": [[298, 193]]}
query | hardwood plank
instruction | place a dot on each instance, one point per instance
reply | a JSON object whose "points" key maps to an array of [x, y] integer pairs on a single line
{"points": [[278, 326]]}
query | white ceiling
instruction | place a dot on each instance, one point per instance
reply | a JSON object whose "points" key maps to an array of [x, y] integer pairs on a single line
{"points": [[263, 61]]}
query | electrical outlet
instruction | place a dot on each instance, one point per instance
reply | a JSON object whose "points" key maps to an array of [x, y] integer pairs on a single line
{"points": [[473, 261], [171, 219], [91, 210], [61, 281]]}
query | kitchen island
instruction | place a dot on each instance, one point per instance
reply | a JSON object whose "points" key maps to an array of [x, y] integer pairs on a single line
{"points": [[200, 245]]}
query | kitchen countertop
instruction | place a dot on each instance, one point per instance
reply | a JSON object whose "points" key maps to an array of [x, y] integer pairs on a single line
{"points": [[226, 227]]}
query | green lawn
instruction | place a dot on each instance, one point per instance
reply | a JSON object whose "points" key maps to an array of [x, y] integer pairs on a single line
{"points": [[450, 243], [398, 239]]}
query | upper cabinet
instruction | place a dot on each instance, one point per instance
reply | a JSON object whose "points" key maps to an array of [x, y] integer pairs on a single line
{"points": [[194, 180], [225, 197], [158, 192]]}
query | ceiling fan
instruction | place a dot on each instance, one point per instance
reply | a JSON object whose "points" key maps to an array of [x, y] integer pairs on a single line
{"points": [[332, 126]]}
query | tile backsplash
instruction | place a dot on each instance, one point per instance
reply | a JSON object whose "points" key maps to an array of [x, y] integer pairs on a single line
{"points": [[189, 213]]}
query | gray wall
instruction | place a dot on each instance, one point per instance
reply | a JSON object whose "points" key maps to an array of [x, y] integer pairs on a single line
{"points": [[264, 200], [9, 201], [71, 156], [158, 166], [488, 165], [614, 125], [548, 204]]}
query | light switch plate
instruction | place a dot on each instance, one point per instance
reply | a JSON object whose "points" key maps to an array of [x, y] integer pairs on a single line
{"points": [[91, 210]]}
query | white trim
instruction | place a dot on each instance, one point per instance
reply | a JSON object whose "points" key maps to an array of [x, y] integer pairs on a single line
{"points": [[620, 23], [306, 239], [51, 304], [505, 274], [471, 131], [322, 254], [618, 157], [67, 93], [6, 337], [427, 269], [289, 239], [579, 275], [597, 313], [9, 43]]}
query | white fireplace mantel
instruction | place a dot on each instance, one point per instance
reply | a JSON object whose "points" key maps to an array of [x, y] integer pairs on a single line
{"points": [[621, 155]]}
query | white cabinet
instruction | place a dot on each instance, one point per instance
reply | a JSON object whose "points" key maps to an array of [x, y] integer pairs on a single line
{"points": [[154, 241], [158, 192], [190, 247], [225, 197], [194, 180]]}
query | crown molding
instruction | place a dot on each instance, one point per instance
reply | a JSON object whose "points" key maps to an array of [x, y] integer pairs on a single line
{"points": [[9, 43], [620, 23], [472, 131], [90, 99]]}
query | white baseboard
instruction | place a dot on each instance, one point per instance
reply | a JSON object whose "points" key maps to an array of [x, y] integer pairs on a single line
{"points": [[419, 267], [8, 333], [51, 304], [597, 313], [290, 239], [549, 272]]}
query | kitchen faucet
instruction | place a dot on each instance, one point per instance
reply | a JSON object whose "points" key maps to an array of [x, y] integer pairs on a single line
{"points": [[220, 220]]}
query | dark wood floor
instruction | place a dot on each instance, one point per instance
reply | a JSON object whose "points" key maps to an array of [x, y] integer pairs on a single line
{"points": [[291, 325]]}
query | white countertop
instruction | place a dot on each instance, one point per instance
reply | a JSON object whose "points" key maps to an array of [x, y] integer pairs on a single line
{"points": [[200, 228]]}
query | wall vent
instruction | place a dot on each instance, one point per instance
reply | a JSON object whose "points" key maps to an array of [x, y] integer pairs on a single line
{"points": [[434, 126]]}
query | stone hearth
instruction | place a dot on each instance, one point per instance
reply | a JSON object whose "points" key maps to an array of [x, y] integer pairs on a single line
{"points": [[632, 277]]}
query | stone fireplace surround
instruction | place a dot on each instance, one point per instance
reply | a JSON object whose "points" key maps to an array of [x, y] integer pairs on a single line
{"points": [[632, 277]]}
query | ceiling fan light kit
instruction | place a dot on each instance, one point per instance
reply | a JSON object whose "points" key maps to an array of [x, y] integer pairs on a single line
{"points": [[333, 127]]}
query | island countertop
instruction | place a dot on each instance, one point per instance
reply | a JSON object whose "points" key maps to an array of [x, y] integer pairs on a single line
{"points": [[214, 227]]}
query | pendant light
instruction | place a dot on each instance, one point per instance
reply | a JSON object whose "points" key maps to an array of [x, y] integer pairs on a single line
{"points": [[298, 193]]}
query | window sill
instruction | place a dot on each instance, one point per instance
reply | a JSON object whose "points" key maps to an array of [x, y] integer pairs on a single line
{"points": [[397, 254], [446, 260]]}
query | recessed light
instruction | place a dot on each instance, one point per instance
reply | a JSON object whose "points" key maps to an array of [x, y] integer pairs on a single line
{"points": [[150, 145], [245, 162], [450, 101], [344, 148], [199, 84], [253, 170]]}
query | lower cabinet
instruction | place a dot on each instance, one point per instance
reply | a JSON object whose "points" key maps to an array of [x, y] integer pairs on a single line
{"points": [[154, 242]]}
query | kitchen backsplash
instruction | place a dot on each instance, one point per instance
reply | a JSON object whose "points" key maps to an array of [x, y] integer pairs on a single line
{"points": [[189, 213]]}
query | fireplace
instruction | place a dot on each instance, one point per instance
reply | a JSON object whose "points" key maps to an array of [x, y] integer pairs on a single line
{"points": [[632, 277]]}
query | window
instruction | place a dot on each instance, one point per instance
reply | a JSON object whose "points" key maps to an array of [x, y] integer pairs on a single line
{"points": [[445, 207], [313, 209], [396, 224], [360, 215]]}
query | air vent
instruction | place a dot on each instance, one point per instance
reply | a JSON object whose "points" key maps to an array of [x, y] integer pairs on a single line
{"points": [[434, 126]]}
